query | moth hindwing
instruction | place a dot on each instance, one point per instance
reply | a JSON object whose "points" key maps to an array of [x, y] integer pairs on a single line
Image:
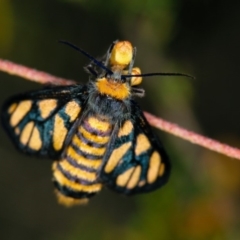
{"points": [[136, 161], [96, 133]]}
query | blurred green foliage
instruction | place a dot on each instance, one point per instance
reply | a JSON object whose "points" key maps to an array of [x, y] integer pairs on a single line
{"points": [[201, 201], [7, 30]]}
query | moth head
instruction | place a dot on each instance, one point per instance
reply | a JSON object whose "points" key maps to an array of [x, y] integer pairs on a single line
{"points": [[121, 55]]}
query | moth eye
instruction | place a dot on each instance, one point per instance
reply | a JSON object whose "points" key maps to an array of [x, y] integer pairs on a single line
{"points": [[136, 80]]}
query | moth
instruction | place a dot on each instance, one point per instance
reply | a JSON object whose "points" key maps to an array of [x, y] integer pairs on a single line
{"points": [[96, 134]]}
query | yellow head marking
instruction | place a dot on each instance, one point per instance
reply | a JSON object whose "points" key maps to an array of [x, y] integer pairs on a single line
{"points": [[35, 142], [20, 112], [92, 137], [26, 133], [153, 169], [124, 177], [95, 164], [46, 107], [135, 177], [142, 144], [98, 124], [113, 89], [69, 201], [72, 110], [116, 156], [59, 133], [126, 129], [122, 54], [12, 108]]}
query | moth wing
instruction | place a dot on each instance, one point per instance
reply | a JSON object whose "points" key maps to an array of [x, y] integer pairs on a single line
{"points": [[136, 161], [41, 122]]}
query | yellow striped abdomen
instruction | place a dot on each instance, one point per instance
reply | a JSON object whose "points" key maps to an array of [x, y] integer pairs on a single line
{"points": [[75, 176]]}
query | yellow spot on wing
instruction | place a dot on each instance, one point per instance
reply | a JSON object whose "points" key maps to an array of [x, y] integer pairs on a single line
{"points": [[88, 149], [59, 133], [12, 108], [141, 183], [69, 201], [72, 109], [46, 107], [114, 89], [20, 112], [61, 179], [98, 124], [92, 137], [54, 166], [134, 178], [161, 170], [124, 177], [126, 129], [116, 156], [17, 130], [89, 176], [95, 164], [26, 133], [142, 144], [153, 169], [35, 142]]}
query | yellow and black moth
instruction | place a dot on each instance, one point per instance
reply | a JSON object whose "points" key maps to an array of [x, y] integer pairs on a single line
{"points": [[96, 133]]}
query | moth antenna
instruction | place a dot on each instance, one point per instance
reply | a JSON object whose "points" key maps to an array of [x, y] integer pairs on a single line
{"points": [[158, 74], [98, 63]]}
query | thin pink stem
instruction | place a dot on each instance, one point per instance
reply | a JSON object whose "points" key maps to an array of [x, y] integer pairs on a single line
{"points": [[45, 78], [32, 74], [192, 137]]}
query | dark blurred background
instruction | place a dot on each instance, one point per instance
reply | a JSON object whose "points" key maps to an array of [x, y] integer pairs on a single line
{"points": [[198, 37]]}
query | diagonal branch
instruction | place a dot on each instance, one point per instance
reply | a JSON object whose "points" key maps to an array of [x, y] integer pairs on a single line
{"points": [[45, 78], [192, 136], [32, 74]]}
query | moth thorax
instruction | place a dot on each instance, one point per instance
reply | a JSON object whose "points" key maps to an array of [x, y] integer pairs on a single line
{"points": [[121, 54], [112, 88]]}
